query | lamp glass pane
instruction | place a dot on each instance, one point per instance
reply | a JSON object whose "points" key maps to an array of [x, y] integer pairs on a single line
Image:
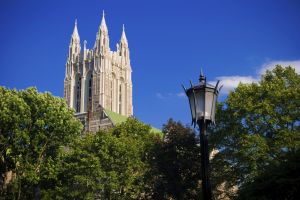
{"points": [[209, 95], [192, 104], [200, 103], [214, 107]]}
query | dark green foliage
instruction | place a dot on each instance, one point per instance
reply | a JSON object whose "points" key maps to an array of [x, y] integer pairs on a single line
{"points": [[130, 162], [177, 164], [278, 181]]}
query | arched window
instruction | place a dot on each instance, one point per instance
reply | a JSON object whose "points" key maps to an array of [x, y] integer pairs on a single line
{"points": [[120, 99], [114, 90], [90, 87], [111, 95], [78, 95]]}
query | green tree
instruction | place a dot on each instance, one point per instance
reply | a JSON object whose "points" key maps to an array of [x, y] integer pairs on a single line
{"points": [[33, 129], [278, 181], [176, 167], [110, 164], [256, 126]]}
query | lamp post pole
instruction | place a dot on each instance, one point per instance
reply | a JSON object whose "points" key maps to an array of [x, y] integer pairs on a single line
{"points": [[207, 195], [202, 99]]}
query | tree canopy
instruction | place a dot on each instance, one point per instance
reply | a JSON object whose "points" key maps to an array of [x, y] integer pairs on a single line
{"points": [[33, 129], [176, 167], [257, 126], [280, 180], [110, 164]]}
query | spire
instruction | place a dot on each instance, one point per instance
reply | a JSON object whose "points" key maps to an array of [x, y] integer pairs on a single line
{"points": [[74, 47], [102, 38], [123, 37], [75, 34], [103, 23]]}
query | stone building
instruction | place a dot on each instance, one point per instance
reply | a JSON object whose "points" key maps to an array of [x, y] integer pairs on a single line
{"points": [[98, 81]]}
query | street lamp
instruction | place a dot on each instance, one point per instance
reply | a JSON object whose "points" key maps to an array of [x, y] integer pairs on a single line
{"points": [[202, 99]]}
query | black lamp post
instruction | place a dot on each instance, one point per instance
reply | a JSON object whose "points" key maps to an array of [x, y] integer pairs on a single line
{"points": [[202, 99]]}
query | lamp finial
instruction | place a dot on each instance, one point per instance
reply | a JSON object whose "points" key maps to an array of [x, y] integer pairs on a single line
{"points": [[202, 78]]}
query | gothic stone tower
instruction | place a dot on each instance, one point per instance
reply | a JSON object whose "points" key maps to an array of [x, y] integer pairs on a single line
{"points": [[98, 79]]}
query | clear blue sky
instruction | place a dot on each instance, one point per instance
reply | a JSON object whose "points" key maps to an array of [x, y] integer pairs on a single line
{"points": [[169, 41]]}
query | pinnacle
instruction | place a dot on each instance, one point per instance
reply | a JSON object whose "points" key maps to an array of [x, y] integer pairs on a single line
{"points": [[75, 31], [103, 23], [123, 37]]}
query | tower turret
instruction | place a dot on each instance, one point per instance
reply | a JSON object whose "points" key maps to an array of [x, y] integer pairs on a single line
{"points": [[102, 38], [123, 46], [74, 47]]}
